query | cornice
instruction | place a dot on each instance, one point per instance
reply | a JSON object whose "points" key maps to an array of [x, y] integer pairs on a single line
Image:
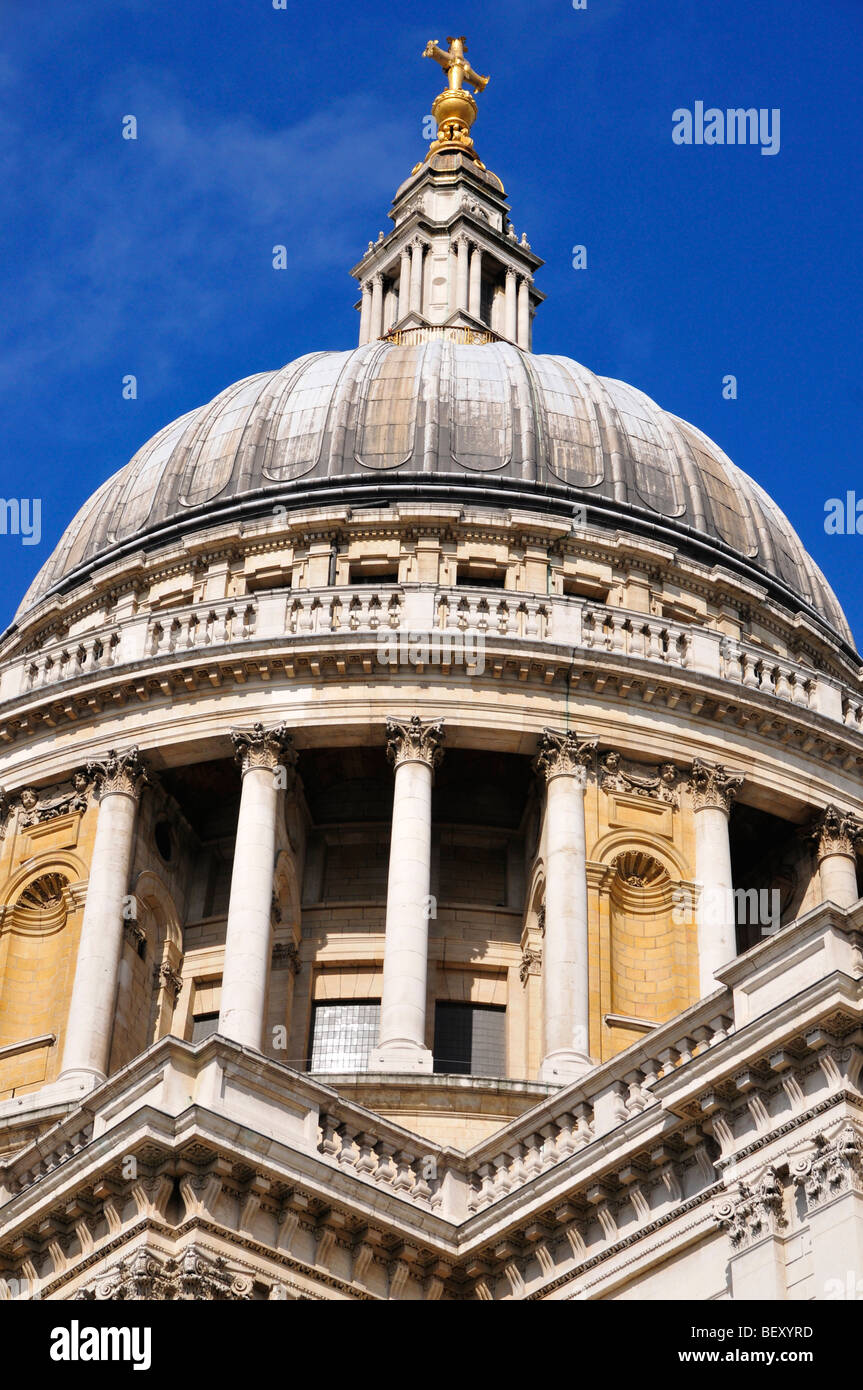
{"points": [[634, 681]]}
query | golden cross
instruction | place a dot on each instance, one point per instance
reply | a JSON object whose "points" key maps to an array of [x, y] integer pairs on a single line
{"points": [[455, 64]]}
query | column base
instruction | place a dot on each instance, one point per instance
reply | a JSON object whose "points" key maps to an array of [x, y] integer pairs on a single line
{"points": [[561, 1068], [401, 1056]]}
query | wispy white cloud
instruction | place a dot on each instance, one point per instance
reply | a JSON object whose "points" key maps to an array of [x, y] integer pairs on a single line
{"points": [[111, 230]]}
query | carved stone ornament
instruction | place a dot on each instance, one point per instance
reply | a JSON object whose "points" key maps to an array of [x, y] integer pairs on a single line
{"points": [[531, 964], [836, 832], [135, 936], [151, 1277], [167, 978], [36, 808], [118, 773], [751, 1213], [712, 785], [286, 956], [565, 755], [616, 774], [833, 1168], [260, 747], [415, 740]]}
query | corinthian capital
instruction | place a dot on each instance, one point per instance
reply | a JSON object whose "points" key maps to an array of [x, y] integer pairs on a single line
{"points": [[415, 740], [118, 773], [564, 754], [712, 785], [836, 832], [260, 747]]}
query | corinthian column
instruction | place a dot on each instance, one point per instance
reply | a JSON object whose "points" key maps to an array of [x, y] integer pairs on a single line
{"points": [[263, 756], [462, 250], [404, 281], [713, 790], [524, 313], [366, 314], [836, 835], [475, 281], [414, 748], [510, 302], [86, 1052], [563, 760], [376, 321], [417, 249]]}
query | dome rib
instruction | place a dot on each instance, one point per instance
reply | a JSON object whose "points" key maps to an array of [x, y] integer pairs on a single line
{"points": [[440, 416]]}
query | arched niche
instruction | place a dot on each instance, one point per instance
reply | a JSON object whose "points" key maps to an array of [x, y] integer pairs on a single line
{"points": [[644, 947], [39, 929]]}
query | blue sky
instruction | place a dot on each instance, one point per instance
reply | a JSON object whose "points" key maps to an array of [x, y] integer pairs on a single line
{"points": [[259, 126]]}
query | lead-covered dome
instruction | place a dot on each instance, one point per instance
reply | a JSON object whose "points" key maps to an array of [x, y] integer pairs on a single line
{"points": [[485, 422]]}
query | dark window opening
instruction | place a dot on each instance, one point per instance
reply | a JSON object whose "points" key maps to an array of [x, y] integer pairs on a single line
{"points": [[374, 574], [585, 588], [203, 1026], [486, 299], [477, 578], [772, 864], [344, 1033], [262, 583], [470, 1039], [162, 836]]}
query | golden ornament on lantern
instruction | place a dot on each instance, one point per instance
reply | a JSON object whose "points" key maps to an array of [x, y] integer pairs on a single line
{"points": [[455, 110]]}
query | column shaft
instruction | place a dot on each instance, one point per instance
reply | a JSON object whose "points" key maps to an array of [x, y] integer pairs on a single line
{"points": [[511, 326], [404, 282], [462, 274], [366, 314], [89, 1027], [416, 277], [717, 931], [566, 993], [838, 875], [248, 941], [713, 790], [415, 747], [523, 315], [564, 760], [475, 282], [376, 326]]}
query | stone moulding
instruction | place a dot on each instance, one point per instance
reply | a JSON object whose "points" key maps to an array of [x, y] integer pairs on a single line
{"points": [[635, 682]]}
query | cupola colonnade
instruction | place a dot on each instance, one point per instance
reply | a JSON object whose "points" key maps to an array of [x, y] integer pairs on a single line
{"points": [[566, 763]]}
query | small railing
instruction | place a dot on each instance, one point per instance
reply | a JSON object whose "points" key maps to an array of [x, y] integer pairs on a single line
{"points": [[504, 615], [756, 670], [633, 634], [209, 625], [410, 337], [344, 611], [567, 623], [66, 661], [608, 1097]]}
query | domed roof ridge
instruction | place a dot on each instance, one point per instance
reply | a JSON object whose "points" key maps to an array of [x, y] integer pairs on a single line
{"points": [[491, 422]]}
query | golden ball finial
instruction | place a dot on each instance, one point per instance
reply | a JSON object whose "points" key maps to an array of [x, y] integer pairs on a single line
{"points": [[455, 110]]}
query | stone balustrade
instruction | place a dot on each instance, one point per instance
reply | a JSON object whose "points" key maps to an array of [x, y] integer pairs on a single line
{"points": [[65, 661], [412, 1171], [215, 625], [609, 1096], [494, 614], [749, 667], [633, 634], [344, 611], [282, 618]]}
